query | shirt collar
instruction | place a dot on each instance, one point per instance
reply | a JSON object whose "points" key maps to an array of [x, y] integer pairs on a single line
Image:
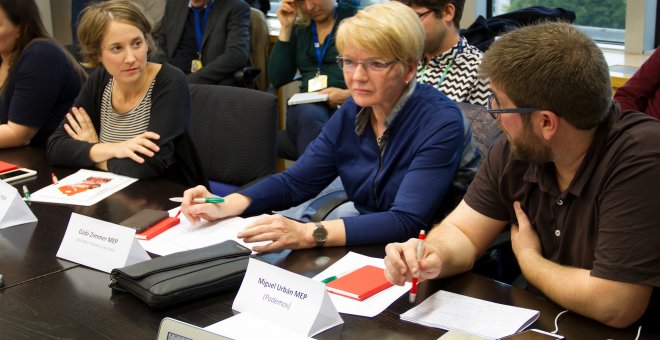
{"points": [[362, 117], [447, 55], [207, 4]]}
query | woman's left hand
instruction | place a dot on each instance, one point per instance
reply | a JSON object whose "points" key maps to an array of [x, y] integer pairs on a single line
{"points": [[336, 96], [283, 232], [80, 127]]}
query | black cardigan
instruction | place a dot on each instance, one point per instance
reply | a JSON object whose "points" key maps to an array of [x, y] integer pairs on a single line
{"points": [[170, 118]]}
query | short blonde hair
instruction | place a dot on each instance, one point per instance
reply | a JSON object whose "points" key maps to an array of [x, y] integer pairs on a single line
{"points": [[94, 22], [392, 29]]}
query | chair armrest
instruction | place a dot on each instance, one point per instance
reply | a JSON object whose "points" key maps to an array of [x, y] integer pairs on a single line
{"points": [[333, 200], [246, 76]]}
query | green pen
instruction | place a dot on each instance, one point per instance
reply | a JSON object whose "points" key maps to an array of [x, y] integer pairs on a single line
{"points": [[26, 192], [333, 277], [200, 199]]}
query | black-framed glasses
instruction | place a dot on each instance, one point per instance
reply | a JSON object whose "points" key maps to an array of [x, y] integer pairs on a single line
{"points": [[423, 14], [350, 65], [496, 112]]}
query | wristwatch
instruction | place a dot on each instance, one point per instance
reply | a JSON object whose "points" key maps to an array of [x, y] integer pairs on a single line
{"points": [[320, 234]]}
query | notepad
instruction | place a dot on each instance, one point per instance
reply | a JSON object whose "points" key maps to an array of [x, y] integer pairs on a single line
{"points": [[309, 97], [158, 228], [360, 284], [4, 166]]}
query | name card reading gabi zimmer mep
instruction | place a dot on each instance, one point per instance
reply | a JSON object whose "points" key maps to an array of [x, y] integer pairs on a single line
{"points": [[280, 302], [99, 244]]}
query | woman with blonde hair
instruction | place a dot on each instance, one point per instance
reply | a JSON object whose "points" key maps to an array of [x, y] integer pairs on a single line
{"points": [[132, 117], [38, 79], [395, 144]]}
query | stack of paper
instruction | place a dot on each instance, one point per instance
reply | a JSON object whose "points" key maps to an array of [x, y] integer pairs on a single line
{"points": [[457, 312]]}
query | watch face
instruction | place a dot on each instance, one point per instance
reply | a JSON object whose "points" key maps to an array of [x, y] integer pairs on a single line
{"points": [[320, 234]]}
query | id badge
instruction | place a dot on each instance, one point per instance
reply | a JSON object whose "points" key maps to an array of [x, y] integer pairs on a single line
{"points": [[196, 65], [317, 83]]}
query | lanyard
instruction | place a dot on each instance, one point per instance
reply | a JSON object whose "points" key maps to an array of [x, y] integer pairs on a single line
{"points": [[451, 62], [199, 27], [317, 46]]}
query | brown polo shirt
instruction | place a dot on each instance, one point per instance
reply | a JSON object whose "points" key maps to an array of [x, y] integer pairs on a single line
{"points": [[608, 220]]}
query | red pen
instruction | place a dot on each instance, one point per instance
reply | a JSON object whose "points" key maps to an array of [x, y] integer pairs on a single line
{"points": [[54, 178], [178, 213], [420, 252]]}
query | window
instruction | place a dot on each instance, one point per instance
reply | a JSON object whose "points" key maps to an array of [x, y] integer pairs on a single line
{"points": [[603, 20]]}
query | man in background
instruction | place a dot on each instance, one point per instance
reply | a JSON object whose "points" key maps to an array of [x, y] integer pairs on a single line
{"points": [[207, 39], [449, 64]]}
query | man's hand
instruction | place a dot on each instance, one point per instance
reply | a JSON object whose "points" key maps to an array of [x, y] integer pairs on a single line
{"points": [[523, 237], [401, 262]]}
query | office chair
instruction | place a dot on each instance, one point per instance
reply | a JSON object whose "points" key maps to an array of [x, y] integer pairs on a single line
{"points": [[234, 132], [255, 76]]}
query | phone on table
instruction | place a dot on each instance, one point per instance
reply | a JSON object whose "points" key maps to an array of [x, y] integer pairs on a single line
{"points": [[16, 174], [533, 334], [144, 219]]}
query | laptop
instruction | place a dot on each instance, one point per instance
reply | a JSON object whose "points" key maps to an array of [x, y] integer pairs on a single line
{"points": [[171, 329]]}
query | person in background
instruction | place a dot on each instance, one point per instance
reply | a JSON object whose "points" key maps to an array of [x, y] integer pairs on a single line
{"points": [[642, 91], [38, 79], [209, 40], [395, 144], [450, 63], [306, 45], [132, 117], [576, 177]]}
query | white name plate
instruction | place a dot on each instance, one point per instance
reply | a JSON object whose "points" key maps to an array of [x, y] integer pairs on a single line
{"points": [[99, 244], [284, 299], [13, 210]]}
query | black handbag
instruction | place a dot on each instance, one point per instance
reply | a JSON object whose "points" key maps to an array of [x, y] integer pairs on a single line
{"points": [[184, 276]]}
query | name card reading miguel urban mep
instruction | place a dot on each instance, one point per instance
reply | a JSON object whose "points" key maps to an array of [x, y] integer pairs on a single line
{"points": [[99, 244], [13, 210], [280, 302]]}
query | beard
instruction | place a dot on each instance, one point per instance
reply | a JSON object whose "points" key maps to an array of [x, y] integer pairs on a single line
{"points": [[529, 148]]}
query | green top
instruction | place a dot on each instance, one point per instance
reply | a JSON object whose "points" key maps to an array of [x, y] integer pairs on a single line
{"points": [[298, 54]]}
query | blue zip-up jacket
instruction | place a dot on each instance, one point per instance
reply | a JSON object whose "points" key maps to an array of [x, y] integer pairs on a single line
{"points": [[397, 193]]}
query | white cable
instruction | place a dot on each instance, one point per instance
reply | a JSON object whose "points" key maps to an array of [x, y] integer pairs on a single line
{"points": [[639, 332], [557, 321]]}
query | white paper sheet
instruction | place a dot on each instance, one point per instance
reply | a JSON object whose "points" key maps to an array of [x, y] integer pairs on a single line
{"points": [[85, 187], [462, 313], [247, 326], [186, 236], [374, 304]]}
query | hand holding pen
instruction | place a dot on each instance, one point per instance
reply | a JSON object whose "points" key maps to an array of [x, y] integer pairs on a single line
{"points": [[415, 279]]}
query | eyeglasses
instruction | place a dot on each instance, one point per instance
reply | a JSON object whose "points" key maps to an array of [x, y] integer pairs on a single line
{"points": [[496, 112], [423, 14], [375, 66]]}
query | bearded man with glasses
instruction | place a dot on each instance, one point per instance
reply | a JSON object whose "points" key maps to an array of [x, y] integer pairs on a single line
{"points": [[577, 178]]}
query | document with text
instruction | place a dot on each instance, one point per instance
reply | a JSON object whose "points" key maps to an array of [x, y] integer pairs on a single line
{"points": [[455, 312], [186, 235], [85, 187]]}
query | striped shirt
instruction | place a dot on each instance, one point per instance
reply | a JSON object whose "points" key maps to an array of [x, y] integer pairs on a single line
{"points": [[462, 83], [118, 127]]}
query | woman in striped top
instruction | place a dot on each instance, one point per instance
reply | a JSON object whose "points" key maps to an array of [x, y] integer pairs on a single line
{"points": [[132, 117]]}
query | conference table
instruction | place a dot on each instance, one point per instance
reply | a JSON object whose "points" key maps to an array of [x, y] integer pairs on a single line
{"points": [[46, 297]]}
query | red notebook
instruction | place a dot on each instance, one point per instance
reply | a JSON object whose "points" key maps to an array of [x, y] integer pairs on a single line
{"points": [[4, 166], [158, 228], [360, 284]]}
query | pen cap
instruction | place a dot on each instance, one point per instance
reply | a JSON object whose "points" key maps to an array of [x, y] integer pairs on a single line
{"points": [[422, 235]]}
